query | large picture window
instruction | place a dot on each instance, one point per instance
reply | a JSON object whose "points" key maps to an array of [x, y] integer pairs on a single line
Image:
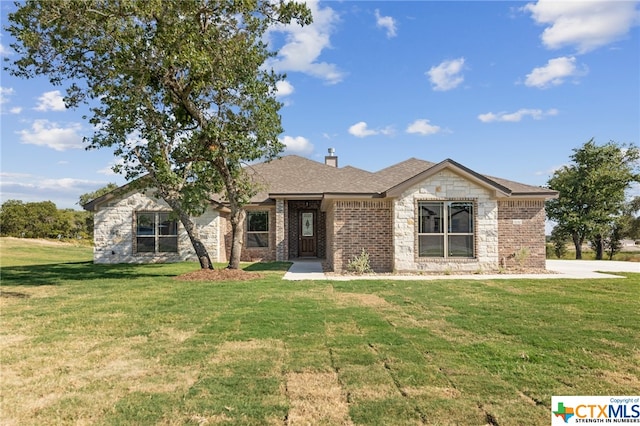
{"points": [[156, 232], [445, 229], [258, 229]]}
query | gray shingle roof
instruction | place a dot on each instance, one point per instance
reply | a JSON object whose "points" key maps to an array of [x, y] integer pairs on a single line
{"points": [[405, 170], [293, 176], [297, 176], [518, 188]]}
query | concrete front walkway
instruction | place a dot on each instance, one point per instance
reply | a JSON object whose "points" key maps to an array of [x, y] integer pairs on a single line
{"points": [[305, 269], [311, 269]]}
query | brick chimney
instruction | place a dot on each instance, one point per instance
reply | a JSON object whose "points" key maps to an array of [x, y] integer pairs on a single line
{"points": [[332, 158]]}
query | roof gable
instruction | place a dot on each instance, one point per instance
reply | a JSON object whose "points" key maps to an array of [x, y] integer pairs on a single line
{"points": [[116, 194], [457, 168]]}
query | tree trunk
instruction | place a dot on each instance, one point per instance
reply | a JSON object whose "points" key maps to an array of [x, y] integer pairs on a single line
{"points": [[192, 231], [198, 246], [234, 196], [577, 242], [598, 246], [237, 233]]}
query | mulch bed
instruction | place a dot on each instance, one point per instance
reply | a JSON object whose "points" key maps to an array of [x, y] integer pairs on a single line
{"points": [[218, 275]]}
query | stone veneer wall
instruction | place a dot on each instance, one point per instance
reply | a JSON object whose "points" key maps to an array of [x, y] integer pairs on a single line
{"points": [[356, 225], [281, 240], [445, 185], [521, 234], [114, 232]]}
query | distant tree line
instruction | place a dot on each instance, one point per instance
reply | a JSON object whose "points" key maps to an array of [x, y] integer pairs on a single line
{"points": [[44, 220], [592, 206]]}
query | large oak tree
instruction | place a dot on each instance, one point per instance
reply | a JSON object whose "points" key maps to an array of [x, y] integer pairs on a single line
{"points": [[592, 191], [178, 89]]}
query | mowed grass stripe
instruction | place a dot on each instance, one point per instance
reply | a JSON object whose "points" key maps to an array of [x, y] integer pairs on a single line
{"points": [[128, 344]]}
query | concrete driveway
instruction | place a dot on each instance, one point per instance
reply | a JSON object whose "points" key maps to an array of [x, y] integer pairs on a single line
{"points": [[589, 268], [578, 269]]}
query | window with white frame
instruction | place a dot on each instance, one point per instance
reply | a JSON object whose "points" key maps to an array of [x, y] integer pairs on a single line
{"points": [[258, 229], [156, 232], [445, 229]]}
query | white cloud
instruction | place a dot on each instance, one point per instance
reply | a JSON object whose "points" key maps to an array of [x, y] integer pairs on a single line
{"points": [[108, 170], [134, 139], [3, 50], [447, 75], [423, 127], [513, 117], [298, 145], [387, 23], [387, 131], [550, 171], [554, 73], [120, 163], [63, 183], [284, 88], [329, 136], [633, 190], [5, 92], [362, 130], [13, 175], [51, 101], [64, 192], [304, 45], [586, 24], [31, 182], [51, 135]]}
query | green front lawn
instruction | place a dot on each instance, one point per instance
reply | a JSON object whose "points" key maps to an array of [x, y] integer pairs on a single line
{"points": [[128, 344]]}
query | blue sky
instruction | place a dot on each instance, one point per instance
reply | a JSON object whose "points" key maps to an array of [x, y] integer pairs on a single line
{"points": [[505, 88]]}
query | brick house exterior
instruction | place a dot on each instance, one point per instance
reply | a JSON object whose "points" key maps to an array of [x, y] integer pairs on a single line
{"points": [[355, 225], [412, 216], [523, 221]]}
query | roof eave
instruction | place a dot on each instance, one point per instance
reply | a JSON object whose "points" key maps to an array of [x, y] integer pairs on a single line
{"points": [[94, 204], [352, 195], [296, 196], [547, 195]]}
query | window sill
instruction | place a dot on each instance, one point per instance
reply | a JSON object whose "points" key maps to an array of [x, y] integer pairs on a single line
{"points": [[160, 254], [446, 259]]}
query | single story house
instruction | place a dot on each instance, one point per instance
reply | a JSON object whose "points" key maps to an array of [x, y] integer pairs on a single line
{"points": [[412, 216]]}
